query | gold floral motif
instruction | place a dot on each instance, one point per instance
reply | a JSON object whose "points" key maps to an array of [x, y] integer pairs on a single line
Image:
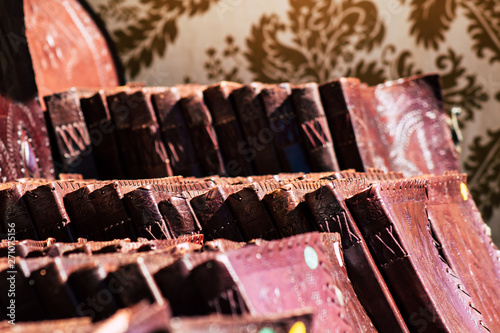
{"points": [[214, 65], [460, 88], [431, 19], [324, 33], [484, 28], [483, 167], [149, 36]]}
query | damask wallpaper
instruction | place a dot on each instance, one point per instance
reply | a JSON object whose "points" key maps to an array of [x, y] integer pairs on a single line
{"points": [[165, 42]]}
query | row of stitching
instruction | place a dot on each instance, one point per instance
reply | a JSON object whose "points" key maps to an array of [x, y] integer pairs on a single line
{"points": [[403, 184]]}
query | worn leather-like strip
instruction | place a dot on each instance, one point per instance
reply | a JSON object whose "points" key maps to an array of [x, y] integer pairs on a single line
{"points": [[393, 220], [227, 127], [177, 287], [175, 132], [112, 217], [463, 245], [331, 215], [179, 216], [83, 214], [313, 127], [203, 136], [102, 136], [256, 129], [254, 219], [46, 208], [469, 209], [289, 211], [27, 304], [92, 292], [277, 103], [131, 284], [141, 148], [217, 289], [215, 215], [72, 145], [50, 284], [145, 215], [340, 124], [356, 314], [14, 217], [366, 123]]}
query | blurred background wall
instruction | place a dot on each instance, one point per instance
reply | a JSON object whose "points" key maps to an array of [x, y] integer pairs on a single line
{"points": [[166, 42]]}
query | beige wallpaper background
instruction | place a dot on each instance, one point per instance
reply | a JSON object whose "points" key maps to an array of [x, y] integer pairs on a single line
{"points": [[165, 42]]}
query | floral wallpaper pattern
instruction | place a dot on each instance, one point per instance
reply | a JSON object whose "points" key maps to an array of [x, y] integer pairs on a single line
{"points": [[165, 42]]}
